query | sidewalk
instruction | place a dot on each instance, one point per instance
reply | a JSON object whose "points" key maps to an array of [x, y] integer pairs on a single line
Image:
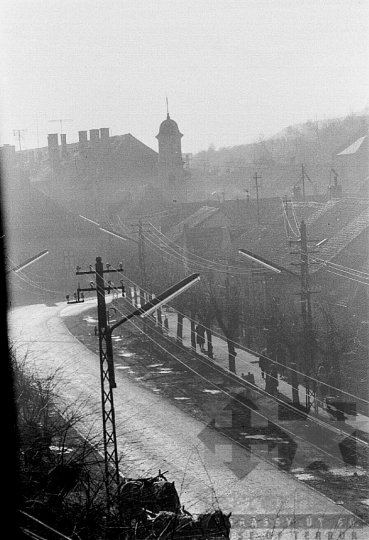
{"points": [[248, 363]]}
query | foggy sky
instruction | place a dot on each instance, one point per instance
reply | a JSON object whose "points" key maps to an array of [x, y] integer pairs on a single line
{"points": [[232, 69]]}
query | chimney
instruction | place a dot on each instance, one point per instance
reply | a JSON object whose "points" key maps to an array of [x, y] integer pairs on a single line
{"points": [[94, 137], [53, 144], [52, 140], [63, 142], [104, 135], [82, 138]]}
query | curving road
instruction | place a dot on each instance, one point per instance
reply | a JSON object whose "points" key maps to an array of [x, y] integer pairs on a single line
{"points": [[152, 433]]}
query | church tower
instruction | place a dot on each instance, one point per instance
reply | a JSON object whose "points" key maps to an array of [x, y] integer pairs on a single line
{"points": [[172, 177]]}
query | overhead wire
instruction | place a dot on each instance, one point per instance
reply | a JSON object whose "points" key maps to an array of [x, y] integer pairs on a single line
{"points": [[238, 345], [171, 250], [338, 266], [36, 285], [277, 363], [22, 274], [219, 370], [295, 218], [165, 247], [347, 277], [285, 217]]}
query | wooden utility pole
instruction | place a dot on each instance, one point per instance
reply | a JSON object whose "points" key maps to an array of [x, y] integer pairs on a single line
{"points": [[306, 313], [302, 180], [257, 186], [141, 255]]}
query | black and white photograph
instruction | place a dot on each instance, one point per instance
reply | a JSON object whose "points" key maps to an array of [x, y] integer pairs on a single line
{"points": [[184, 206]]}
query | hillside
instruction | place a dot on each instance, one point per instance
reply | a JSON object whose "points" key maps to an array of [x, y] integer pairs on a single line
{"points": [[313, 141]]}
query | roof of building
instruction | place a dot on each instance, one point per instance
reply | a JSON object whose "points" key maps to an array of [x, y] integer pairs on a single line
{"points": [[128, 142], [169, 128], [192, 221], [30, 213], [339, 221], [354, 147], [357, 143]]}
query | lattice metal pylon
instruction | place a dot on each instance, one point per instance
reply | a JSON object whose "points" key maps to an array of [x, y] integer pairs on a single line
{"points": [[107, 379], [107, 399]]}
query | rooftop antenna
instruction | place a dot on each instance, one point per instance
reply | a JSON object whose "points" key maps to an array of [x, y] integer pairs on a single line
{"points": [[61, 120], [19, 133], [167, 107]]}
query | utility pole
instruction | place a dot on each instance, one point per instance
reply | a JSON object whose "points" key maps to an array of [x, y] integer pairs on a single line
{"points": [[112, 478], [306, 312], [257, 177], [141, 251], [107, 378], [302, 180], [141, 255]]}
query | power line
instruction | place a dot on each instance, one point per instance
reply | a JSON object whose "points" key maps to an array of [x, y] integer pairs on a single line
{"points": [[219, 370], [238, 345]]}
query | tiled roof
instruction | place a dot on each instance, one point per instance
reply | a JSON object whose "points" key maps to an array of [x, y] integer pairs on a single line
{"points": [[341, 221], [343, 238], [192, 221], [36, 215]]}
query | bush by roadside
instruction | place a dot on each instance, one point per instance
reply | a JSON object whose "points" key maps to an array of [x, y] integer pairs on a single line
{"points": [[60, 473]]}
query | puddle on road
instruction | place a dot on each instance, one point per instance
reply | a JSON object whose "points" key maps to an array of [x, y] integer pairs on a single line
{"points": [[90, 320], [128, 368], [265, 438], [304, 476], [347, 472], [61, 449]]}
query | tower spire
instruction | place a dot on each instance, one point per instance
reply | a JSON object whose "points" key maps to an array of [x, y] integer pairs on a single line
{"points": [[167, 108]]}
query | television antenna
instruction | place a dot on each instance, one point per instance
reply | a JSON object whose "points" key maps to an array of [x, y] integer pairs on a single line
{"points": [[62, 120], [19, 133]]}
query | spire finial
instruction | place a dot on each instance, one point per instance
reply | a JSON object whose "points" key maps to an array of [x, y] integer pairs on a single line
{"points": [[167, 108]]}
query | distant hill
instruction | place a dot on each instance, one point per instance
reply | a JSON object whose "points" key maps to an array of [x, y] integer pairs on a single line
{"points": [[311, 142]]}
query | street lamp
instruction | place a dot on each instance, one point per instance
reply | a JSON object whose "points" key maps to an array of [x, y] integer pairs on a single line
{"points": [[26, 263], [107, 366]]}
